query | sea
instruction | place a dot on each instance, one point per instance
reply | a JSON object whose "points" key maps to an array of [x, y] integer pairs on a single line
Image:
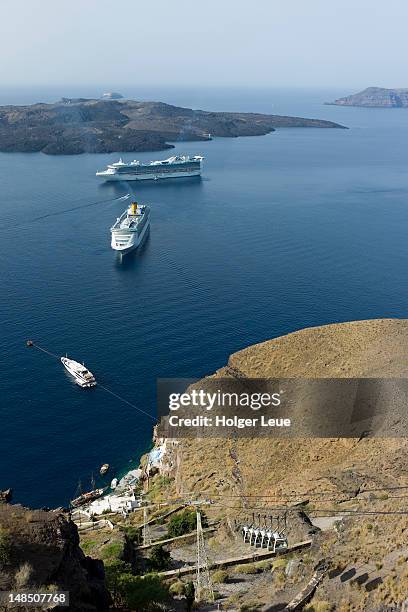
{"points": [[298, 228]]}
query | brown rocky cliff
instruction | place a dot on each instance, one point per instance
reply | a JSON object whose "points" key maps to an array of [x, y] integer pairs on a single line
{"points": [[294, 467], [41, 550], [354, 489]]}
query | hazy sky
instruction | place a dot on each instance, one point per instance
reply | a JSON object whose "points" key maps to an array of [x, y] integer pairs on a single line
{"points": [[353, 43]]}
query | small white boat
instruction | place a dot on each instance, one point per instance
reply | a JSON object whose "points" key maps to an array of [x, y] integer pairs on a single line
{"points": [[83, 377], [104, 469], [114, 484]]}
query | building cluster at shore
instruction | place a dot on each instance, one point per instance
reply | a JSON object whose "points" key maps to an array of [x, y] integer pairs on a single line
{"points": [[125, 497]]}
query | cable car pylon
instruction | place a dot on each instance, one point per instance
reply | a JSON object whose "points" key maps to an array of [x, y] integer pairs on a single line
{"points": [[203, 584]]}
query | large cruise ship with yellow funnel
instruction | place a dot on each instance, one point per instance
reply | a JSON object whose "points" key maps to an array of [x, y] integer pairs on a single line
{"points": [[130, 228]]}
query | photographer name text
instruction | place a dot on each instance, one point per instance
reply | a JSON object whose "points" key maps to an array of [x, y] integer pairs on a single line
{"points": [[223, 421]]}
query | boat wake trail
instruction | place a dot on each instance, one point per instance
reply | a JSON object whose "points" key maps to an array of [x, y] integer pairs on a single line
{"points": [[64, 211], [67, 210]]}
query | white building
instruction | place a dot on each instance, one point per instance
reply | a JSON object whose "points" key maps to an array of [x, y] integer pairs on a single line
{"points": [[114, 503]]}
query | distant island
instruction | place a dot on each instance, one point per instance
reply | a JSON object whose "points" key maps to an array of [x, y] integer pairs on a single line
{"points": [[376, 97], [111, 95], [78, 125]]}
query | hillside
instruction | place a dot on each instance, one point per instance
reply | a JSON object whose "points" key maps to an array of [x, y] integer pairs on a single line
{"points": [[359, 349], [376, 97], [331, 476], [102, 126], [40, 550]]}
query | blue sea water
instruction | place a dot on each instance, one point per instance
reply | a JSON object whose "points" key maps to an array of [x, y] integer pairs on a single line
{"points": [[297, 228]]}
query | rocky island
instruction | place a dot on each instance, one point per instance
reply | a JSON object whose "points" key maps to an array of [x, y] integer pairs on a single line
{"points": [[78, 125], [375, 97]]}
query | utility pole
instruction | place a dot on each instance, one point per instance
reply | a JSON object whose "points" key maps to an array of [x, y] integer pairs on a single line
{"points": [[147, 539], [203, 585]]}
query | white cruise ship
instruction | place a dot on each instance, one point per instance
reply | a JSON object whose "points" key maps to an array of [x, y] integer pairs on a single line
{"points": [[130, 228], [178, 166], [83, 377]]}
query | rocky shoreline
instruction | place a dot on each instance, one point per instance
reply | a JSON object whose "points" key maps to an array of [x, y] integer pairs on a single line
{"points": [[77, 125]]}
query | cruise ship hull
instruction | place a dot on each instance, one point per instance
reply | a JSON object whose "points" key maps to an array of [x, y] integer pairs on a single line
{"points": [[123, 241], [106, 176]]}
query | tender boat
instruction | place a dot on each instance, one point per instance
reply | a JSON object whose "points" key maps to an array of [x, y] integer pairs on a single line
{"points": [[104, 469], [83, 377], [114, 484]]}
